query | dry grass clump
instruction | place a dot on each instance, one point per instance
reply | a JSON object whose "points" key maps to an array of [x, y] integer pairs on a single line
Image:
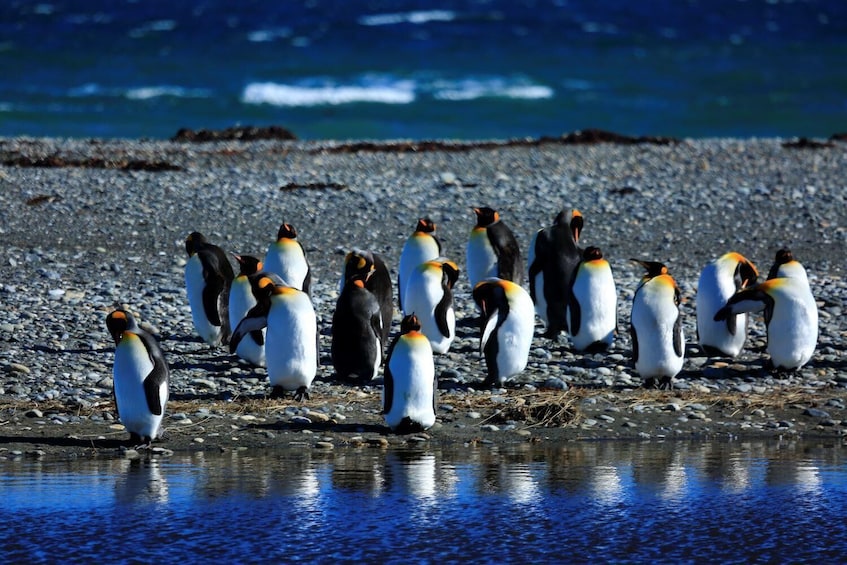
{"points": [[543, 410]]}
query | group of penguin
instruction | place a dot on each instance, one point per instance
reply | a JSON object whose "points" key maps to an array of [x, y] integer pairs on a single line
{"points": [[264, 313]]}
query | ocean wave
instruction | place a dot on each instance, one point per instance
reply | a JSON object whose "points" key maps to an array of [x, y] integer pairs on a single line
{"points": [[416, 17], [147, 92], [472, 89], [266, 35], [293, 95]]}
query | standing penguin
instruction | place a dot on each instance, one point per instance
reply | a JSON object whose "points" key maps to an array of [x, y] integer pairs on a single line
{"points": [[291, 341], [208, 277], [357, 332], [719, 280], [593, 304], [492, 249], [410, 388], [791, 318], [141, 378], [658, 346], [430, 297], [421, 246], [507, 326], [287, 258], [372, 268], [553, 259]]}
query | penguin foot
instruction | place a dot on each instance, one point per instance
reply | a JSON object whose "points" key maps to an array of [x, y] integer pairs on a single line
{"points": [[301, 393], [277, 392], [664, 383]]}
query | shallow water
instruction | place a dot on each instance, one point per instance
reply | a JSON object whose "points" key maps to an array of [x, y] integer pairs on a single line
{"points": [[613, 501]]}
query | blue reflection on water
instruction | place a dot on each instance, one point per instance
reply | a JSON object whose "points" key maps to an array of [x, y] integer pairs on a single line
{"points": [[608, 502]]}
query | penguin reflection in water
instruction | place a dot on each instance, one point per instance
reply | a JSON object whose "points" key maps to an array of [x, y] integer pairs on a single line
{"points": [[507, 325], [658, 346], [208, 277], [410, 388], [291, 340], [140, 377], [790, 311]]}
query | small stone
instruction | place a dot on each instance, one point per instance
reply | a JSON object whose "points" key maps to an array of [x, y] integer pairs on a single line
{"points": [[489, 428], [816, 413], [324, 445]]}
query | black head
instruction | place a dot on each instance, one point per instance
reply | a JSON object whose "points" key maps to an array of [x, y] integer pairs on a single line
{"points": [[248, 265], [451, 273], [410, 324], [783, 256], [286, 231], [194, 241], [592, 254], [654, 268], [425, 225], [486, 216], [118, 322]]}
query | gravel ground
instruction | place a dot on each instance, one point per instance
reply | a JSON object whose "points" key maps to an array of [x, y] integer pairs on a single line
{"points": [[91, 224]]}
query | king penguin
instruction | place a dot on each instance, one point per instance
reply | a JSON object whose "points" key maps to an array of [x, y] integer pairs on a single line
{"points": [[785, 265], [658, 345], [791, 318], [243, 296], [410, 387], [553, 260], [492, 249], [507, 325], [140, 375], [357, 332], [593, 304], [287, 258], [371, 268], [719, 280], [421, 246], [208, 277], [430, 297]]}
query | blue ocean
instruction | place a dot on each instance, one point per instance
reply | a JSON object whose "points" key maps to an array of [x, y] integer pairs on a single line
{"points": [[407, 69]]}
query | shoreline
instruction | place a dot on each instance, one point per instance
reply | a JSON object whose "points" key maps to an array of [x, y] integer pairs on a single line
{"points": [[80, 237]]}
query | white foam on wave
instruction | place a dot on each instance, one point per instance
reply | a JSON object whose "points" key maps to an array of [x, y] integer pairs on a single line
{"points": [[401, 92], [415, 17], [147, 92], [156, 26], [268, 35], [472, 89]]}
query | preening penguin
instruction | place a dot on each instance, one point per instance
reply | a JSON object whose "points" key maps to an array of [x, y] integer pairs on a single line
{"points": [[719, 280], [508, 322], [287, 258], [553, 259], [658, 345], [208, 277], [492, 249], [140, 375], [291, 341], [410, 387], [421, 246], [593, 303], [430, 297], [373, 271], [791, 318], [357, 332], [243, 296]]}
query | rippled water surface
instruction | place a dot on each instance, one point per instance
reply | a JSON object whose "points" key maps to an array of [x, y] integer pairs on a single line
{"points": [[668, 502]]}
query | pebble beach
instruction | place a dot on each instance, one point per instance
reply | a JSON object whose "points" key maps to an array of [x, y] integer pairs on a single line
{"points": [[90, 225]]}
